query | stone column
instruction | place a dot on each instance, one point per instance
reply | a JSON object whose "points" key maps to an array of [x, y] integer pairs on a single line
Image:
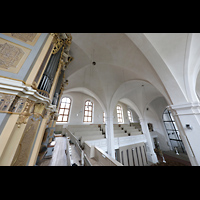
{"points": [[150, 151]]}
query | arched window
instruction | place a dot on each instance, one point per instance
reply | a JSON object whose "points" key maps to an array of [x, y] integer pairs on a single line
{"points": [[64, 110], [119, 114], [88, 111], [173, 132], [104, 117], [130, 116]]}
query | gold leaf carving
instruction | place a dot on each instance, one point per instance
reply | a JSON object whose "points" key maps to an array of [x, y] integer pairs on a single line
{"points": [[25, 113]]}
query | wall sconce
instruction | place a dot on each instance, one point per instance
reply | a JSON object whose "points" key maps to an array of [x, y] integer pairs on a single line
{"points": [[188, 126]]}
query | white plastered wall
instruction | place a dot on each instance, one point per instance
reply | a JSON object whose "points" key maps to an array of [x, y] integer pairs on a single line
{"points": [[77, 109]]}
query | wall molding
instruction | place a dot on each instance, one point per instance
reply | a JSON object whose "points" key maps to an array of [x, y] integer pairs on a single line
{"points": [[19, 90]]}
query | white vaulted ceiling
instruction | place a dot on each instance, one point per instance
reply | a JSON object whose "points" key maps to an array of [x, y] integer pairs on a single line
{"points": [[159, 59]]}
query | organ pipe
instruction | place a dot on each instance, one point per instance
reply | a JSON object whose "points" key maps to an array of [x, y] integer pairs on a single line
{"points": [[50, 71]]}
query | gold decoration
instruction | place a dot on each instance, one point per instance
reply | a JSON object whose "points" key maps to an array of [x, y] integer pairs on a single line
{"points": [[58, 43], [68, 41], [25, 113], [53, 34], [38, 110], [43, 93], [34, 85], [70, 59]]}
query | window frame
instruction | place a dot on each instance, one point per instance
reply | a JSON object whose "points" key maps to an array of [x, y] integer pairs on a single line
{"points": [[104, 117], [120, 116], [65, 108], [172, 132], [89, 111], [131, 116]]}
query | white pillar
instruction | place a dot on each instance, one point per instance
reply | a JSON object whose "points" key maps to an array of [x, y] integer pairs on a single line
{"points": [[151, 155], [110, 136], [187, 118]]}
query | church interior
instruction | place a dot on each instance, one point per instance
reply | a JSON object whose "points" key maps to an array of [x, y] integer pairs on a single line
{"points": [[99, 99]]}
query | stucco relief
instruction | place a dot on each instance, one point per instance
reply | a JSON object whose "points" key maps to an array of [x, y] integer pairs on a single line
{"points": [[28, 38], [25, 36], [12, 56]]}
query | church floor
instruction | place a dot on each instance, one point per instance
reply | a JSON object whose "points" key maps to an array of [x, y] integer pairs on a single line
{"points": [[59, 157], [173, 160]]}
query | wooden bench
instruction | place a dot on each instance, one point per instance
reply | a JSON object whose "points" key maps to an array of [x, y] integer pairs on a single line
{"points": [[82, 133], [121, 135], [78, 135], [82, 126], [118, 131], [136, 133], [84, 129], [92, 137]]}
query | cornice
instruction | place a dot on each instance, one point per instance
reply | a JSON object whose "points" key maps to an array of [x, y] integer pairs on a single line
{"points": [[19, 88]]}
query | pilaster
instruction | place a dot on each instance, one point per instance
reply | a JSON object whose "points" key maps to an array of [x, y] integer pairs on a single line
{"points": [[150, 151]]}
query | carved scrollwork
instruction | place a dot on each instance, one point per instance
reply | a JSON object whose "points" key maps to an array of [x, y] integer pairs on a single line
{"points": [[58, 43], [25, 113], [39, 110], [68, 41]]}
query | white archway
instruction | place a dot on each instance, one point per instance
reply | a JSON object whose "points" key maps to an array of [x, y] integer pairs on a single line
{"points": [[176, 94], [88, 92], [132, 105], [140, 90]]}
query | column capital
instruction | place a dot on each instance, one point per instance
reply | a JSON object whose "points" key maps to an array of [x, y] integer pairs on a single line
{"points": [[190, 108], [141, 119]]}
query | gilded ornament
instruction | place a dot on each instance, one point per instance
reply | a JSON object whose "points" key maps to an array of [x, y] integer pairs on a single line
{"points": [[68, 41], [38, 110], [58, 44], [25, 113]]}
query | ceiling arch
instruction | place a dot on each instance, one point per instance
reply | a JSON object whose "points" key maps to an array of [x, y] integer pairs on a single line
{"points": [[132, 105], [162, 59], [88, 92], [140, 92], [156, 57]]}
